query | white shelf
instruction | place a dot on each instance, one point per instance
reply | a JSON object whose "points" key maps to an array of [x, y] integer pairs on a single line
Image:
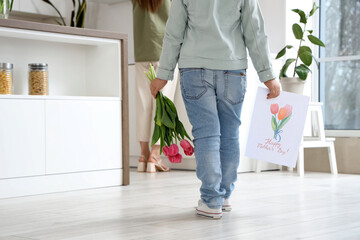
{"points": [[78, 65], [55, 37]]}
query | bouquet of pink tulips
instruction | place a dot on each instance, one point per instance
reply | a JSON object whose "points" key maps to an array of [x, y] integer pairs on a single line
{"points": [[168, 128]]}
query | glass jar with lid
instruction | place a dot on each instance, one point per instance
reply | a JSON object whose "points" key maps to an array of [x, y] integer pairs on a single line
{"points": [[38, 79], [6, 78]]}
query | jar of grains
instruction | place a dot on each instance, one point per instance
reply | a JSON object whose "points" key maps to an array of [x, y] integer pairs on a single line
{"points": [[38, 79], [6, 79]]}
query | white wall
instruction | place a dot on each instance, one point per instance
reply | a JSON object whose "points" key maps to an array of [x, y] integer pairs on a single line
{"points": [[37, 10], [274, 17], [116, 17]]}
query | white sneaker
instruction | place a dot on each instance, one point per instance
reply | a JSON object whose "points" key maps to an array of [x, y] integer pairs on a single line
{"points": [[203, 210], [226, 207]]}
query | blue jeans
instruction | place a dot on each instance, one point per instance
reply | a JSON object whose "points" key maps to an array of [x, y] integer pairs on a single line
{"points": [[213, 101]]}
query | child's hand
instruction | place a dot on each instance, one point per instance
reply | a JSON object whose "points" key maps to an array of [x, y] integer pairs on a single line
{"points": [[274, 88], [156, 85]]}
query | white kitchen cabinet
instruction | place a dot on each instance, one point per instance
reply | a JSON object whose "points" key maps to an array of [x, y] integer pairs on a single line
{"points": [[78, 136], [82, 135], [22, 138]]}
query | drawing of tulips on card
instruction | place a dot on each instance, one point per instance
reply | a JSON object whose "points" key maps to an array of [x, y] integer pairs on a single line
{"points": [[279, 119]]}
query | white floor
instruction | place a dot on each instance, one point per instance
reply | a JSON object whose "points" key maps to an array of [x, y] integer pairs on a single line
{"points": [[268, 205]]}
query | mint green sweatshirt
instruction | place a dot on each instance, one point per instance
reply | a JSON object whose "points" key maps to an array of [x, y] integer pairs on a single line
{"points": [[214, 34]]}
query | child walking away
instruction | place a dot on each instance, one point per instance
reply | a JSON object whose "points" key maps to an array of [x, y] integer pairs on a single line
{"points": [[208, 39]]}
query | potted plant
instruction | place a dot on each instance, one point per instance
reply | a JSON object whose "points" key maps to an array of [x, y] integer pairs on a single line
{"points": [[5, 8], [77, 15], [304, 56]]}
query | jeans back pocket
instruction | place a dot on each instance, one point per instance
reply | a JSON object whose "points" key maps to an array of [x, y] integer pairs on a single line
{"points": [[192, 82], [235, 86]]}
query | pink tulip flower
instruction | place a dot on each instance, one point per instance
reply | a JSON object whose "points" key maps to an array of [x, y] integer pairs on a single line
{"points": [[274, 108], [165, 150], [175, 159], [189, 151], [185, 144], [173, 150], [288, 109], [188, 148]]}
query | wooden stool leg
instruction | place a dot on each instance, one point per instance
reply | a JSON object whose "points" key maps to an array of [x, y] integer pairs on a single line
{"points": [[332, 159], [300, 163]]}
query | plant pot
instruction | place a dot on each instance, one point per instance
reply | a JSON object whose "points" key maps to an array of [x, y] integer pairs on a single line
{"points": [[294, 85]]}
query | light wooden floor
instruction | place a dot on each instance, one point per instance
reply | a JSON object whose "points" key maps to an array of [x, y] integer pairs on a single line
{"points": [[270, 205]]}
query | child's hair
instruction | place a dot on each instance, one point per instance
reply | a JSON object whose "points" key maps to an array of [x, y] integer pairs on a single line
{"points": [[150, 5]]}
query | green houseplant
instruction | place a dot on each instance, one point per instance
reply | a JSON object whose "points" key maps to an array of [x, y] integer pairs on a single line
{"points": [[5, 8], [304, 56], [77, 14]]}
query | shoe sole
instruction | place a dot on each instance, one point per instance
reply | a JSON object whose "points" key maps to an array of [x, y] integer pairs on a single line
{"points": [[141, 167], [226, 208], [208, 215]]}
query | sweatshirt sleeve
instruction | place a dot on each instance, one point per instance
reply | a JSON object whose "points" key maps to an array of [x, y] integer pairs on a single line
{"points": [[173, 39], [256, 40]]}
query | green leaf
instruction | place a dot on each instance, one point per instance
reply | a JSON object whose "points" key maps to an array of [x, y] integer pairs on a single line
{"points": [[72, 20], [168, 136], [152, 71], [305, 48], [72, 23], [11, 5], [171, 114], [80, 17], [315, 59], [304, 66], [302, 72], [283, 51], [284, 121], [170, 103], [180, 129], [273, 123], [316, 41], [148, 76], [305, 55], [50, 3], [286, 66], [156, 135], [310, 31], [298, 32], [313, 10], [165, 119], [302, 15], [162, 137], [158, 114]]}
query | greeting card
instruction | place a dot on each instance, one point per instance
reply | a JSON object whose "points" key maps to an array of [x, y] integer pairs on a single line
{"points": [[276, 127]]}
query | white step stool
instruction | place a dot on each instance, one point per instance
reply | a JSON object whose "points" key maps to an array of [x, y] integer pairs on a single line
{"points": [[317, 139]]}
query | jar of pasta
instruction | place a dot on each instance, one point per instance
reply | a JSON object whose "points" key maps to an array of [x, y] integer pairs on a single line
{"points": [[38, 79], [6, 78]]}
